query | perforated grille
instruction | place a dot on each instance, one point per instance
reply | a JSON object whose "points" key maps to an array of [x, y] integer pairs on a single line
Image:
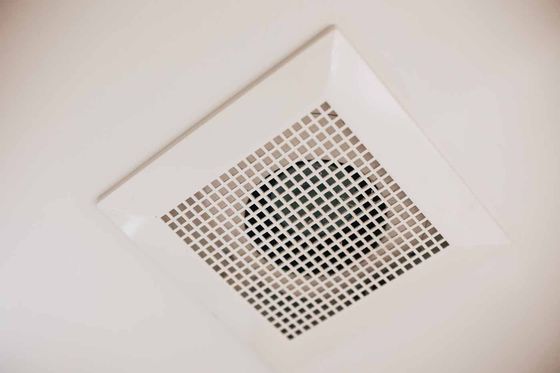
{"points": [[306, 225]]}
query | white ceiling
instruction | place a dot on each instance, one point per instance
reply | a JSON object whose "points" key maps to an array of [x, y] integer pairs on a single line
{"points": [[89, 91]]}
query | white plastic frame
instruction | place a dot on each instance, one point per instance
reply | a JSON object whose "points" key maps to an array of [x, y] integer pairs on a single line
{"points": [[327, 69]]}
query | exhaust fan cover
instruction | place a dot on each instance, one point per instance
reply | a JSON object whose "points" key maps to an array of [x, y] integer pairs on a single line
{"points": [[306, 194]]}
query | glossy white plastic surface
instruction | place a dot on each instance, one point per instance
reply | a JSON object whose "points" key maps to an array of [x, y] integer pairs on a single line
{"points": [[327, 69]]}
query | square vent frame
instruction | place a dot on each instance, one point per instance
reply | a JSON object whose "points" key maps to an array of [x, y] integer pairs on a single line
{"points": [[325, 76]]}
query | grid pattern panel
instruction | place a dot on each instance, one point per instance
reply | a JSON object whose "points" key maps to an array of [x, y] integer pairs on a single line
{"points": [[306, 225]]}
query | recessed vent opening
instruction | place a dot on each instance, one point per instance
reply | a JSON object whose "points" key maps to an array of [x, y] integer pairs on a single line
{"points": [[331, 200], [307, 225]]}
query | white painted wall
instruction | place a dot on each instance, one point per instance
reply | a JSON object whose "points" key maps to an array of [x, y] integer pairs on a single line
{"points": [[90, 90]]}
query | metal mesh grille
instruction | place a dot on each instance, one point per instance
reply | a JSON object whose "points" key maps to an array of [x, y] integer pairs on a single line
{"points": [[306, 225]]}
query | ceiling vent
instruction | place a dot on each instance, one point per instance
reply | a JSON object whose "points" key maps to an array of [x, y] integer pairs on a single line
{"points": [[306, 225], [288, 210]]}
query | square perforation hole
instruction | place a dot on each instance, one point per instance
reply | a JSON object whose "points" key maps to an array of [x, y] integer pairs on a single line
{"points": [[306, 225]]}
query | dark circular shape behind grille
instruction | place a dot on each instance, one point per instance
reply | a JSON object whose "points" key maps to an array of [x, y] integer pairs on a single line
{"points": [[303, 216]]}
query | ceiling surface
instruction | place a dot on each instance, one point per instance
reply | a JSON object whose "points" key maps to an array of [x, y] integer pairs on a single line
{"points": [[89, 91]]}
